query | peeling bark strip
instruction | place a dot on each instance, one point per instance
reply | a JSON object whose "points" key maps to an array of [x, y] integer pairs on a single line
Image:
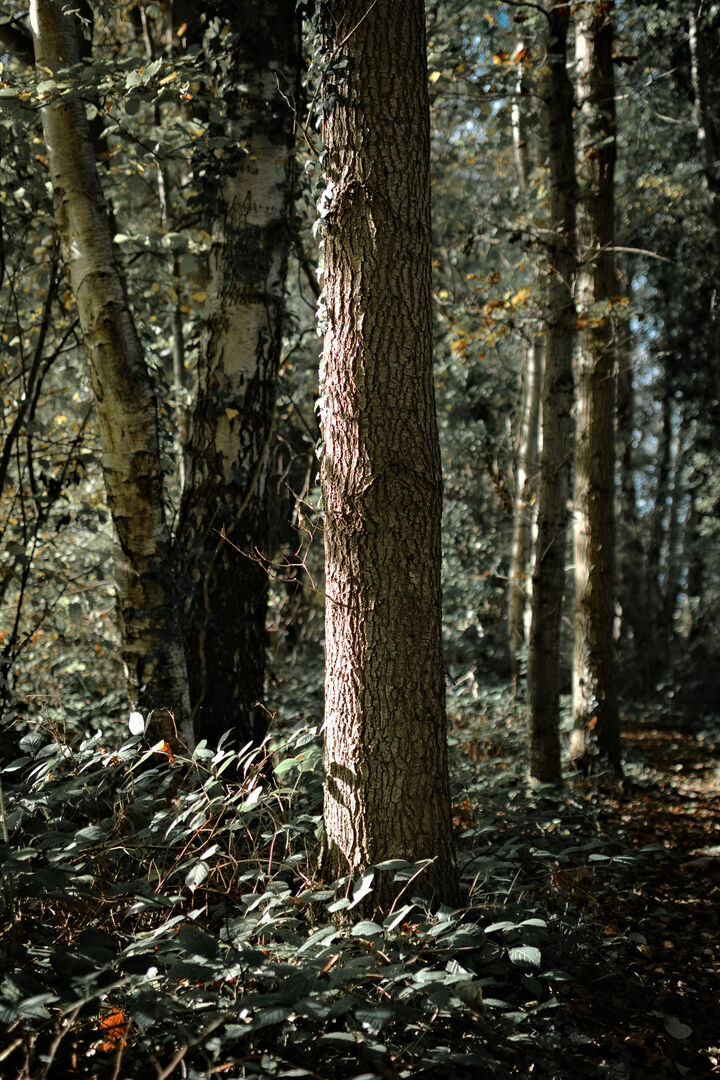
{"points": [[557, 427], [232, 424], [386, 793], [596, 729], [123, 391]]}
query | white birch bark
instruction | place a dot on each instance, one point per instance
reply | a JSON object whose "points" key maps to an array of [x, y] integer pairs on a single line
{"points": [[223, 531], [126, 408]]}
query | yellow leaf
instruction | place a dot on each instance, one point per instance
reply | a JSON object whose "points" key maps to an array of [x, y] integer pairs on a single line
{"points": [[198, 297], [168, 78], [231, 413], [434, 76], [520, 297]]}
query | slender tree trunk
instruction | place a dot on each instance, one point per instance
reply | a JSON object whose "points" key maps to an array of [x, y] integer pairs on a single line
{"points": [[529, 418], [596, 732], [674, 560], [525, 497], [696, 568], [126, 409], [557, 426], [223, 532], [386, 793], [709, 143], [632, 577], [658, 531]]}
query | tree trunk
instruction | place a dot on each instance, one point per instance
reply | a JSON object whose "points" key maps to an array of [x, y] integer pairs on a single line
{"points": [[223, 532], [557, 427], [126, 408], [529, 418], [709, 143], [674, 565], [386, 793], [634, 639], [596, 735], [525, 498]]}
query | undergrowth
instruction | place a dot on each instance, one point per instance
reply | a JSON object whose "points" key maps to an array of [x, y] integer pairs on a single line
{"points": [[159, 922]]}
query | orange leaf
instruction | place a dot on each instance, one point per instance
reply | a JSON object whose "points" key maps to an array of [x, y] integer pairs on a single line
{"points": [[167, 749], [114, 1028]]}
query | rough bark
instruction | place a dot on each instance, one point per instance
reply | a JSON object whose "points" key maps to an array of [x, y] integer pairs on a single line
{"points": [[557, 424], [386, 793], [126, 408], [223, 532], [596, 737]]}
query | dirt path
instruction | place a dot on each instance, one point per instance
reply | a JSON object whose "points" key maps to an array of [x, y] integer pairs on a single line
{"points": [[652, 1002]]}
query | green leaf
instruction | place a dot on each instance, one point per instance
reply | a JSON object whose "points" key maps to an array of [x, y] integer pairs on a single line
{"points": [[676, 1028], [525, 956], [398, 917], [196, 875], [363, 887], [277, 1014], [34, 1007], [197, 942], [366, 929]]}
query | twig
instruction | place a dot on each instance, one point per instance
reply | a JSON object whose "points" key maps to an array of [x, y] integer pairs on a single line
{"points": [[163, 1074]]}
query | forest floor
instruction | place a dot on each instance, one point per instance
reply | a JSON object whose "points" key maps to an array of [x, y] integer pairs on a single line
{"points": [[663, 999], [158, 922], [644, 993]]}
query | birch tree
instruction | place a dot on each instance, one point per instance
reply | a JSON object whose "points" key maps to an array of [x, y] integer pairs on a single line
{"points": [[126, 408], [223, 532]]}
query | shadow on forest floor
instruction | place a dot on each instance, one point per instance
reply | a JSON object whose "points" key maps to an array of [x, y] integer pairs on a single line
{"points": [[663, 924], [644, 991]]}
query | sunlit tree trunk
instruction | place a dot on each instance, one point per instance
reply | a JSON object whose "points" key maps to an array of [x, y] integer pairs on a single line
{"points": [[557, 426], [596, 736], [223, 533], [386, 793], [126, 408], [525, 497], [529, 417]]}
